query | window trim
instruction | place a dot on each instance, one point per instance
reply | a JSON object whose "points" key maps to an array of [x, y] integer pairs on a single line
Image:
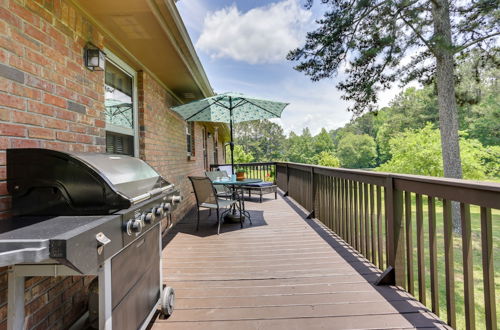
{"points": [[216, 146], [190, 131], [127, 69]]}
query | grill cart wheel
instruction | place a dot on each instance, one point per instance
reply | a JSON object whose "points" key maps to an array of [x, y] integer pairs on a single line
{"points": [[168, 301]]}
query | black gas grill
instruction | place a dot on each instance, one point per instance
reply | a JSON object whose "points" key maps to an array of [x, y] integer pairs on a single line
{"points": [[88, 214]]}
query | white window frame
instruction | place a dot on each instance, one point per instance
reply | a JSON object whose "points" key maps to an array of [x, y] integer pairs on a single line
{"points": [[133, 74], [189, 133]]}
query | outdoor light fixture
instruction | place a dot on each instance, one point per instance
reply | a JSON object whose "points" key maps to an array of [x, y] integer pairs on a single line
{"points": [[94, 58]]}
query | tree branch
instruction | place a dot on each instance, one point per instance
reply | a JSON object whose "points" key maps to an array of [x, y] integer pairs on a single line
{"points": [[467, 45], [426, 42]]}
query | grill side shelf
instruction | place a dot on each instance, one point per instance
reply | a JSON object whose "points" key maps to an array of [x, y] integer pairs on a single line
{"points": [[21, 251]]}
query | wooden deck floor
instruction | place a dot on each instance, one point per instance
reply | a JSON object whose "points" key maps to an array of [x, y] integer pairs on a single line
{"points": [[284, 272]]}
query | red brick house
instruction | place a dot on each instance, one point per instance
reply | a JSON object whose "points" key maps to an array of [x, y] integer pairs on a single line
{"points": [[50, 99]]}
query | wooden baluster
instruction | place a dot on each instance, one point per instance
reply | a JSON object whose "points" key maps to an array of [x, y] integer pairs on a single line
{"points": [[367, 222], [356, 219], [431, 203], [347, 212], [420, 249], [361, 221], [409, 243], [331, 202], [342, 209], [379, 229], [488, 272], [448, 261], [339, 208], [372, 225], [352, 209], [467, 267]]}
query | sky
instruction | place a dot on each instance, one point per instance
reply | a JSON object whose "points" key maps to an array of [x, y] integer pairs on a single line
{"points": [[243, 45]]}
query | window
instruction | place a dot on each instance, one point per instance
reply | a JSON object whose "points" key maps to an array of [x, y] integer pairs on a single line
{"points": [[190, 138], [120, 108]]}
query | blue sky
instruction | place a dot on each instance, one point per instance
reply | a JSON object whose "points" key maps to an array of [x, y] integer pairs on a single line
{"points": [[242, 46]]}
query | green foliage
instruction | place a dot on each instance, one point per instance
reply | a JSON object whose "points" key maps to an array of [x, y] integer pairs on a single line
{"points": [[413, 108], [419, 152], [300, 148], [323, 142], [357, 151], [492, 162], [264, 139], [325, 158], [240, 155]]}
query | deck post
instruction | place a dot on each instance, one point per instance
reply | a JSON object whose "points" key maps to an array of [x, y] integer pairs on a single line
{"points": [[395, 273], [287, 179], [312, 196]]}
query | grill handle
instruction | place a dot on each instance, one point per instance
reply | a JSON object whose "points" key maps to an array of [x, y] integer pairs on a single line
{"points": [[157, 191]]}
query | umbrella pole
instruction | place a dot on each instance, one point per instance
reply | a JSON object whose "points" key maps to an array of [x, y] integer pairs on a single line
{"points": [[231, 144]]}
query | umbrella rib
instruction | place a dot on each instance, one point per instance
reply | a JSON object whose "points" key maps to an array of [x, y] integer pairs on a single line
{"points": [[242, 102], [258, 106], [221, 105], [209, 105]]}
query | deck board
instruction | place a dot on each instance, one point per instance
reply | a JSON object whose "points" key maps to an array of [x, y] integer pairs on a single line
{"points": [[283, 272]]}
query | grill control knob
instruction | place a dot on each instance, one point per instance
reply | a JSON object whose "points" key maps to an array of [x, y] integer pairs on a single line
{"points": [[176, 199], [149, 217], [134, 226], [158, 211], [166, 207]]}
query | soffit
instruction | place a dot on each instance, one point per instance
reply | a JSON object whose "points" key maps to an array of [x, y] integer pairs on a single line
{"points": [[150, 34]]}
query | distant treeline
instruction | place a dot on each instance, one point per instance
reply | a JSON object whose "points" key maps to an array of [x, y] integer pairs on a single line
{"points": [[403, 137]]}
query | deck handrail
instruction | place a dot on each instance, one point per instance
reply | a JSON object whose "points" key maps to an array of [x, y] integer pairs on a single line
{"points": [[372, 211]]}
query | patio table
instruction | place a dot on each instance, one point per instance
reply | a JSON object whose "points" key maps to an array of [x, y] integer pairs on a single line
{"points": [[235, 186]]}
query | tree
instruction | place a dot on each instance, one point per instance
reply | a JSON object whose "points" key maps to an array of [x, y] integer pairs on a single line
{"points": [[357, 151], [300, 147], [240, 155], [412, 108], [418, 151], [264, 139], [376, 38], [323, 142], [326, 158]]}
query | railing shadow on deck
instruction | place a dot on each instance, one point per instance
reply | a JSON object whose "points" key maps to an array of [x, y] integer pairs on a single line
{"points": [[400, 299]]}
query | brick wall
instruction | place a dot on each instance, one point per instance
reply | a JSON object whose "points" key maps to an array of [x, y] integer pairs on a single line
{"points": [[49, 99], [163, 140]]}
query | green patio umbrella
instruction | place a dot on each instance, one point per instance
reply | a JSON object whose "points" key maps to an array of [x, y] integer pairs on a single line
{"points": [[230, 108]]}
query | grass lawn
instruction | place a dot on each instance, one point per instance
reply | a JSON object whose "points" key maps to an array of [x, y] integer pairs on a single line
{"points": [[458, 263]]}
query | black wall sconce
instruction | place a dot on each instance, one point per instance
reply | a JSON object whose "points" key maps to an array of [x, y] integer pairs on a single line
{"points": [[95, 59]]}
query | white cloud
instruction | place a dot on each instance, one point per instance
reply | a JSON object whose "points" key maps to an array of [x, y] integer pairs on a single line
{"points": [[314, 105], [261, 35]]}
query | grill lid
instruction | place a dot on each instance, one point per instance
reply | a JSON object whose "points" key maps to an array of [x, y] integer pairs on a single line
{"points": [[130, 176], [48, 182]]}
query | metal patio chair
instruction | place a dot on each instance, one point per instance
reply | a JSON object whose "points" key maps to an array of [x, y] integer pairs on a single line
{"points": [[206, 197], [222, 191]]}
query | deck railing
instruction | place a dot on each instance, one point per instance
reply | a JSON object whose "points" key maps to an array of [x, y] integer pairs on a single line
{"points": [[265, 171], [405, 223]]}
